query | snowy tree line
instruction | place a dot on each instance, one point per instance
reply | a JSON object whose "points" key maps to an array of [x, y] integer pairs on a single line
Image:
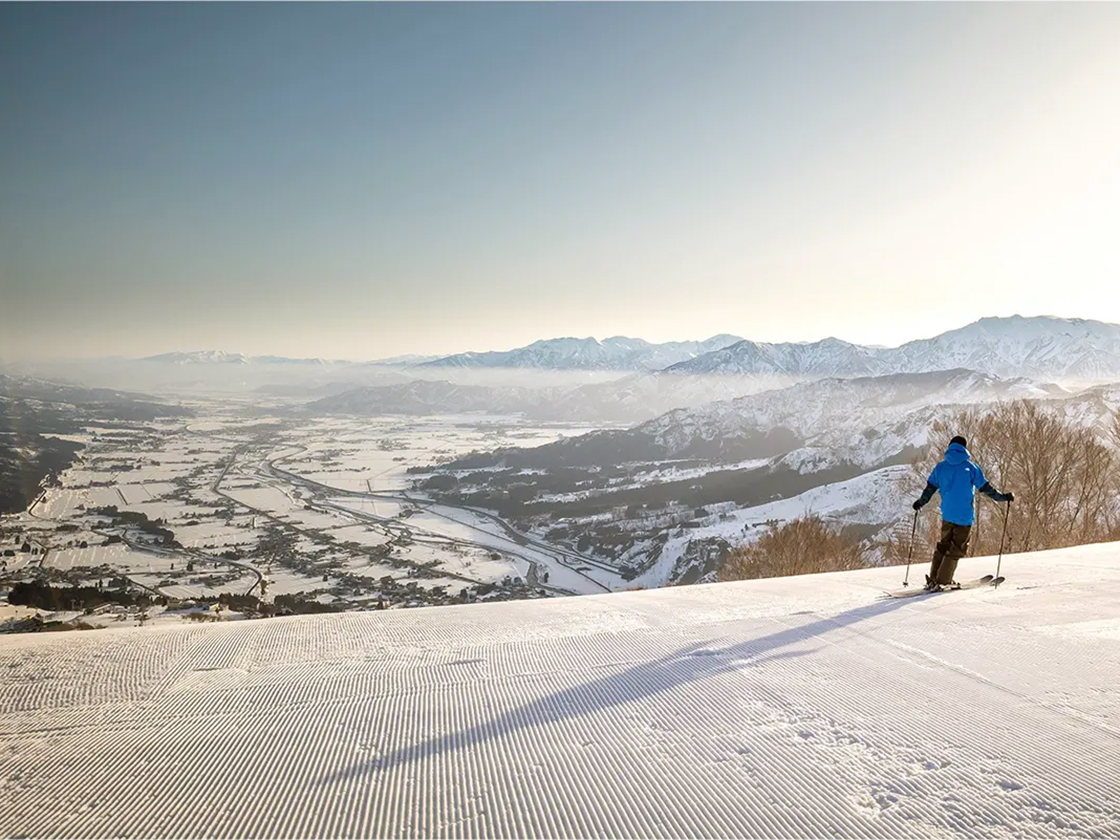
{"points": [[1065, 477]]}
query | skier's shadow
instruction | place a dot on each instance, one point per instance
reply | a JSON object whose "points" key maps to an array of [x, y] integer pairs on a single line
{"points": [[692, 662]]}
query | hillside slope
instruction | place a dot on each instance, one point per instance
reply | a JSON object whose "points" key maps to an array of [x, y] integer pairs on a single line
{"points": [[789, 707]]}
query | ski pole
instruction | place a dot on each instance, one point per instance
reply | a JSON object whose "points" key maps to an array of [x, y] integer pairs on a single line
{"points": [[1006, 516], [976, 519], [910, 554]]}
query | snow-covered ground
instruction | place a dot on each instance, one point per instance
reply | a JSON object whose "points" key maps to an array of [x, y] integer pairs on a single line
{"points": [[798, 707], [874, 497]]}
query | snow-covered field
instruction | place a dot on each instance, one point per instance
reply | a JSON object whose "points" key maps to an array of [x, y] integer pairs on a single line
{"points": [[117, 556], [224, 486], [798, 707], [374, 454]]}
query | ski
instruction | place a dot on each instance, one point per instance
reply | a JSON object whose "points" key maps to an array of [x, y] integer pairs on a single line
{"points": [[987, 580]]}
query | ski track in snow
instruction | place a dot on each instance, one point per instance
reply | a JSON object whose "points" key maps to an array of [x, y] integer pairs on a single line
{"points": [[801, 707]]}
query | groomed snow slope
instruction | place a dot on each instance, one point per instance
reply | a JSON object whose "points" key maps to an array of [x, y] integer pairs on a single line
{"points": [[799, 707]]}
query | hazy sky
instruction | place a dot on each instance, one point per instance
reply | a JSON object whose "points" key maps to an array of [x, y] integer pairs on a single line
{"points": [[362, 180]]}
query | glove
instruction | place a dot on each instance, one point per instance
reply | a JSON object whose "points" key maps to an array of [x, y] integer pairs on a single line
{"points": [[1008, 497], [918, 504]]}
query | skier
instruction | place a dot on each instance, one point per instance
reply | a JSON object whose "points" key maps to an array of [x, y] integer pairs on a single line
{"points": [[957, 479]]}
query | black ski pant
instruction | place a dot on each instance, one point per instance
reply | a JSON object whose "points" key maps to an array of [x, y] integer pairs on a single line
{"points": [[952, 546]]}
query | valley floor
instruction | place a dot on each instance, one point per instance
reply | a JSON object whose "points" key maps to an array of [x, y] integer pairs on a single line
{"points": [[797, 707]]}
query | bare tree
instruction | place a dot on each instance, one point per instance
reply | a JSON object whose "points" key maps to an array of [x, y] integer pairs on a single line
{"points": [[803, 546], [1065, 477]]}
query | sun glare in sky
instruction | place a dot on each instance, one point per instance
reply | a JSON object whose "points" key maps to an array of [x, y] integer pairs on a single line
{"points": [[366, 180]]}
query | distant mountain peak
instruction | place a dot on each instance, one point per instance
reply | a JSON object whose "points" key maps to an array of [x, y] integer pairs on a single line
{"points": [[569, 353], [1039, 347], [221, 357], [194, 357]]}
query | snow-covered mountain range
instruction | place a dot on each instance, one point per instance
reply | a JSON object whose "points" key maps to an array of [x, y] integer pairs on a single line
{"points": [[836, 405], [615, 353], [221, 357], [1039, 347], [829, 357]]}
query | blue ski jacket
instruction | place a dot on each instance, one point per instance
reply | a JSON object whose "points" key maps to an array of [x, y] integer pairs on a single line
{"points": [[957, 479]]}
